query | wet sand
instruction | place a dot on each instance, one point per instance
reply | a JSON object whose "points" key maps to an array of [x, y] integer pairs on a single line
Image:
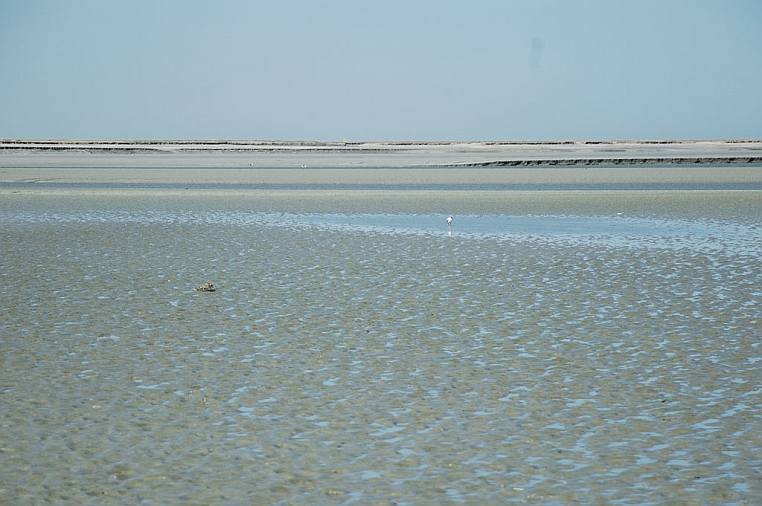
{"points": [[552, 346], [389, 177], [355, 359]]}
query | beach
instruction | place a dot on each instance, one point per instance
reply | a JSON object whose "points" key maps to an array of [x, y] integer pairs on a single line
{"points": [[586, 330], [390, 155], [437, 177]]}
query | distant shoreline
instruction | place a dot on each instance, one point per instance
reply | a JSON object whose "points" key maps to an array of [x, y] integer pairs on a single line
{"points": [[346, 154], [35, 165], [307, 143], [702, 179], [180, 146]]}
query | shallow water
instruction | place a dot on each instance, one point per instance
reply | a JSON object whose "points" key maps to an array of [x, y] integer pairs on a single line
{"points": [[354, 358]]}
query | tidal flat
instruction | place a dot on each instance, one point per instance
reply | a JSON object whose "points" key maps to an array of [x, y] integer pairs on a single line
{"points": [[550, 347]]}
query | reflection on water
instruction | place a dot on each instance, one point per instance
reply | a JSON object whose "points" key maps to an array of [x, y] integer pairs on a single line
{"points": [[617, 231], [351, 358]]}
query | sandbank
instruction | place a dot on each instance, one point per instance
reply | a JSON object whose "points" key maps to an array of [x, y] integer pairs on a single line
{"points": [[381, 163], [629, 178], [274, 154]]}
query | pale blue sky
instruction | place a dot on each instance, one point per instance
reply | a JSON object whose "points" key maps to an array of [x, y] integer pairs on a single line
{"points": [[381, 70]]}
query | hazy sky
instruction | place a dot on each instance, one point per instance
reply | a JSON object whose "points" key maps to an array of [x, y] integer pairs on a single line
{"points": [[381, 70]]}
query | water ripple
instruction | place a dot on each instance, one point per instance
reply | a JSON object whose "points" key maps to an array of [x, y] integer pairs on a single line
{"points": [[361, 358]]}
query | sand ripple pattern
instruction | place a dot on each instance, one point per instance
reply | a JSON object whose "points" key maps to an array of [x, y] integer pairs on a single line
{"points": [[360, 359]]}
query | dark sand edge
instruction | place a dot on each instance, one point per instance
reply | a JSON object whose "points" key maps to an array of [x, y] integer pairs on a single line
{"points": [[284, 154], [573, 162], [235, 144]]}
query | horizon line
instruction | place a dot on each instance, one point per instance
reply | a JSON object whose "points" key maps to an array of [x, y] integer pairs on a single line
{"points": [[409, 142]]}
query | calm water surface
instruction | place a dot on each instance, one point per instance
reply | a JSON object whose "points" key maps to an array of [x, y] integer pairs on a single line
{"points": [[383, 358]]}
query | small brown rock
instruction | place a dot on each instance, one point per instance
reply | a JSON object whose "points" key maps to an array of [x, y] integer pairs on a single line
{"points": [[206, 287]]}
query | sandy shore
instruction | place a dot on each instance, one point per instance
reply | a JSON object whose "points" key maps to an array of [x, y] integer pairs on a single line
{"points": [[264, 154], [289, 163]]}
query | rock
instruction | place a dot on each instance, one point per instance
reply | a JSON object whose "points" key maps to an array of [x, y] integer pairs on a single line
{"points": [[206, 287]]}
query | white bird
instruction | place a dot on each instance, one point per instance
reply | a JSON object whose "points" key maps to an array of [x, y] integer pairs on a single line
{"points": [[449, 221]]}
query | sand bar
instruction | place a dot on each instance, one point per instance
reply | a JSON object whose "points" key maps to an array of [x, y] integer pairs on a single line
{"points": [[200, 162], [273, 154]]}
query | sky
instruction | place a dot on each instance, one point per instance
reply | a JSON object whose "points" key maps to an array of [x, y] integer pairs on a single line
{"points": [[328, 70]]}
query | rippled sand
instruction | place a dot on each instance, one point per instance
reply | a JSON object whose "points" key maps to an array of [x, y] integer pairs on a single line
{"points": [[544, 350], [552, 347]]}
